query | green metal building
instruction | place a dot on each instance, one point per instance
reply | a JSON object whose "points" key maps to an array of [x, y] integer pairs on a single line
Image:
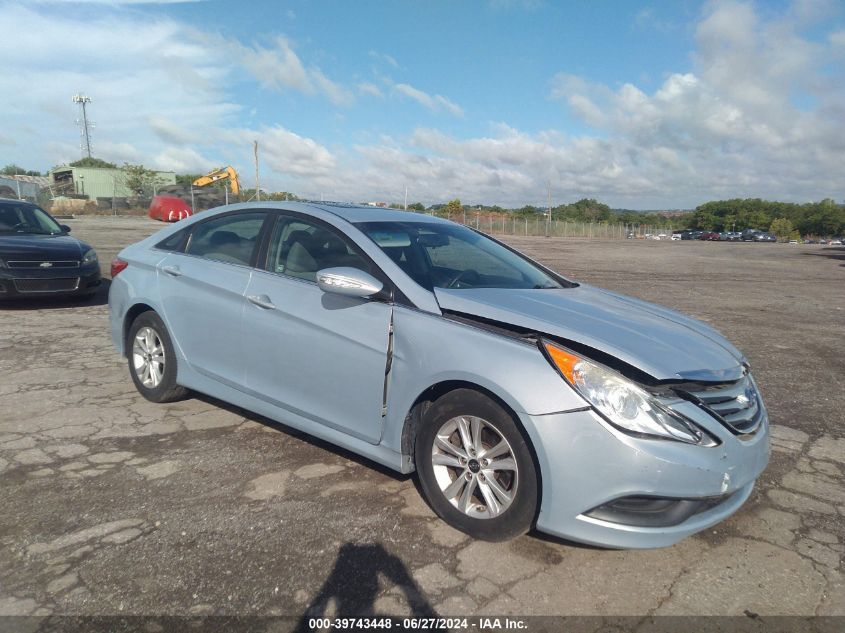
{"points": [[98, 182]]}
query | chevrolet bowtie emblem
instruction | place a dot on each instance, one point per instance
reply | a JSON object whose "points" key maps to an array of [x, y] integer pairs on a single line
{"points": [[46, 264]]}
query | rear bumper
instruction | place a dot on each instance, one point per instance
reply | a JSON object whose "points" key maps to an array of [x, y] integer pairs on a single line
{"points": [[585, 464], [30, 284]]}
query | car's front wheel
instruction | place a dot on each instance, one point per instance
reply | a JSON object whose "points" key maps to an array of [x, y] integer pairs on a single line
{"points": [[475, 467], [152, 362]]}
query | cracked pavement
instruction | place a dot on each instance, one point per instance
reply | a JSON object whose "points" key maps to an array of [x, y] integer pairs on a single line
{"points": [[114, 505]]}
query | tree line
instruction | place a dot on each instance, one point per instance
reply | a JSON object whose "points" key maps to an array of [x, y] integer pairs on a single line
{"points": [[783, 219], [824, 218]]}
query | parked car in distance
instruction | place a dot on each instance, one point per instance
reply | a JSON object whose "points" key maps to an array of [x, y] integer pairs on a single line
{"points": [[38, 257], [765, 237], [793, 241], [710, 236], [676, 236], [836, 242], [521, 398]]}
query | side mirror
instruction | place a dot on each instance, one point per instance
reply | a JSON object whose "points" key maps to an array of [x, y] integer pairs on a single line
{"points": [[65, 228], [348, 281]]}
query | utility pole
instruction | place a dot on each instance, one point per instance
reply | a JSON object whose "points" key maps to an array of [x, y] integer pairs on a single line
{"points": [[82, 100], [406, 197], [257, 182], [549, 216]]}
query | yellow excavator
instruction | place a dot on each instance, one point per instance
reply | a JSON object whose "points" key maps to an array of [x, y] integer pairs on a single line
{"points": [[220, 174]]}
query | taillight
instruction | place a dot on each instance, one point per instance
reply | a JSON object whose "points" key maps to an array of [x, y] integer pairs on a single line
{"points": [[117, 265]]}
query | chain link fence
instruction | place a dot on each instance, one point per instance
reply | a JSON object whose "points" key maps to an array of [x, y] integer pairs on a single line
{"points": [[541, 226]]}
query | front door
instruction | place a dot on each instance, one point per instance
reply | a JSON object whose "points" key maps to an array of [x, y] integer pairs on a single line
{"points": [[317, 355]]}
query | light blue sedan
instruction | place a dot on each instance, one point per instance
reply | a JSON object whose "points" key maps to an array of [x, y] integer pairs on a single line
{"points": [[522, 399]]}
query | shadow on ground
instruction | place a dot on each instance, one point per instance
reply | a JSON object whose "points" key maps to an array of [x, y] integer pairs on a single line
{"points": [[353, 586], [837, 253]]}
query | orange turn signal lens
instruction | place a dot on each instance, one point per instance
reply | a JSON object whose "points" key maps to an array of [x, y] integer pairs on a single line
{"points": [[565, 361]]}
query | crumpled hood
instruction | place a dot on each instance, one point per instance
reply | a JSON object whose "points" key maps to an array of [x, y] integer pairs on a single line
{"points": [[658, 341], [35, 247]]}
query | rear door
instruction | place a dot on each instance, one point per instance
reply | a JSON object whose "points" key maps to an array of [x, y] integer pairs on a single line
{"points": [[202, 291], [317, 355]]}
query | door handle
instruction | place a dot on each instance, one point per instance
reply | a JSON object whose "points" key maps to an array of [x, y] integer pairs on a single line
{"points": [[173, 271], [262, 301]]}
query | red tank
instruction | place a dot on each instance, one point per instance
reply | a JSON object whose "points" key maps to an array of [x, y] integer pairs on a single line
{"points": [[169, 209]]}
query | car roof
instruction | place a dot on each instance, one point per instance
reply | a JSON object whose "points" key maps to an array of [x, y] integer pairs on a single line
{"points": [[350, 212], [16, 201]]}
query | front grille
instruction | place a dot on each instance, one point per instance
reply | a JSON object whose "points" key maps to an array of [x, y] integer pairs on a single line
{"points": [[737, 405], [43, 264], [46, 285]]}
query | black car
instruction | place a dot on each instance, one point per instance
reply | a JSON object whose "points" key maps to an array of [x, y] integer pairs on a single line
{"points": [[38, 258]]}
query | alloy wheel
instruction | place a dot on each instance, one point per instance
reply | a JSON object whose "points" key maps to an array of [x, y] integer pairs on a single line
{"points": [[148, 357], [475, 467]]}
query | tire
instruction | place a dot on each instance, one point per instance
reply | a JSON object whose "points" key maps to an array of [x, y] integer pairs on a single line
{"points": [[465, 491], [152, 362]]}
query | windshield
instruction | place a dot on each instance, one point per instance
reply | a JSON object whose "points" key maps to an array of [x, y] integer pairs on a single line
{"points": [[453, 256], [25, 218]]}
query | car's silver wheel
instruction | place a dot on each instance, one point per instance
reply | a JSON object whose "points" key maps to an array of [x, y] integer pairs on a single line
{"points": [[474, 466], [148, 357]]}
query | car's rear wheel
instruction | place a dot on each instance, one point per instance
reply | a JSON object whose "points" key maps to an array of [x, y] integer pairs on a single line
{"points": [[475, 467], [152, 362]]}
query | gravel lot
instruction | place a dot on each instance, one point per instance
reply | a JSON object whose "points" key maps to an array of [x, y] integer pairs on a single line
{"points": [[113, 505]]}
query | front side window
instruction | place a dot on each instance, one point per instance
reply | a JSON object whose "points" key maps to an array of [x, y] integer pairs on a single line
{"points": [[25, 218], [453, 256], [299, 248], [230, 238]]}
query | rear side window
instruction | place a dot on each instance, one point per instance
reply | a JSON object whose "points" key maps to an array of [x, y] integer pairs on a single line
{"points": [[175, 242], [231, 238]]}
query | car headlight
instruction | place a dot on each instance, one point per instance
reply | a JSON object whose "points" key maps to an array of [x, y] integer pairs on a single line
{"points": [[89, 257], [623, 403]]}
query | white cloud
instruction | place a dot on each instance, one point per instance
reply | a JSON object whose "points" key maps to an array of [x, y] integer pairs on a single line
{"points": [[183, 160], [837, 38], [732, 127], [371, 89], [388, 59], [169, 132], [117, 2], [758, 112], [432, 102], [278, 67], [336, 93]]}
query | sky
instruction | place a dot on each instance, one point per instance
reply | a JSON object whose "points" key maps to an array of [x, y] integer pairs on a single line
{"points": [[639, 104]]}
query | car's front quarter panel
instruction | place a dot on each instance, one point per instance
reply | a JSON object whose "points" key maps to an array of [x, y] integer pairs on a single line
{"points": [[431, 349]]}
